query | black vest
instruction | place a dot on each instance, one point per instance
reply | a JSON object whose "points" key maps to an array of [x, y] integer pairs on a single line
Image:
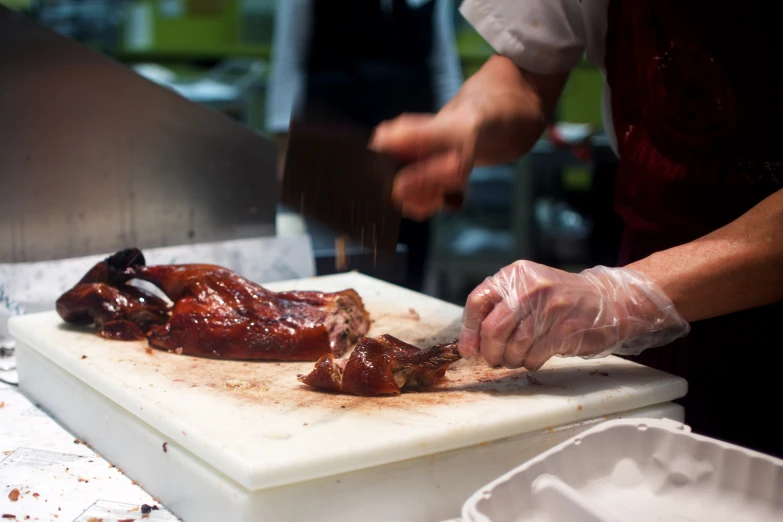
{"points": [[366, 64]]}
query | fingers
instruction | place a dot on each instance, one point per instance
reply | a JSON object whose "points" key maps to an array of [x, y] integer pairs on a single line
{"points": [[541, 350], [421, 211], [519, 343], [400, 137], [488, 322], [421, 187], [479, 305], [412, 136], [442, 170], [495, 333], [439, 157], [571, 340]]}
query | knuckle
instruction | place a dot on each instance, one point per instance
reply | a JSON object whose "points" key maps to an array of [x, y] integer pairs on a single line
{"points": [[493, 360], [494, 335], [522, 334], [545, 284], [557, 307], [477, 298], [491, 335], [453, 167], [487, 333]]}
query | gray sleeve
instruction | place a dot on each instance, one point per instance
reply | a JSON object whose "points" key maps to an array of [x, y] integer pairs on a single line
{"points": [[287, 68]]}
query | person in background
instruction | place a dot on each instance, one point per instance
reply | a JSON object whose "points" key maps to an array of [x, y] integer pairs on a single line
{"points": [[693, 104], [364, 62]]}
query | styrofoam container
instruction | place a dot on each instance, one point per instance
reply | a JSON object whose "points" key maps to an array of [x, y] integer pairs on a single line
{"points": [[635, 469]]}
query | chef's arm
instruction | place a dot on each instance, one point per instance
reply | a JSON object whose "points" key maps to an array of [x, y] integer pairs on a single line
{"points": [[737, 267], [510, 108]]}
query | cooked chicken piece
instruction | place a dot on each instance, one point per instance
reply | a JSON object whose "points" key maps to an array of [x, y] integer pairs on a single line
{"points": [[382, 366]]}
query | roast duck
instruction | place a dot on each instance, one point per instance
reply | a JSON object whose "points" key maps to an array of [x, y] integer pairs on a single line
{"points": [[383, 365], [214, 312]]}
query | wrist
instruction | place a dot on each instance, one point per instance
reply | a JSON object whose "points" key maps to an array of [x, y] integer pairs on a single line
{"points": [[645, 316], [468, 112], [506, 114], [499, 127]]}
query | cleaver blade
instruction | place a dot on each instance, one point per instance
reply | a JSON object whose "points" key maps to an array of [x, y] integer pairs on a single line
{"points": [[330, 175]]}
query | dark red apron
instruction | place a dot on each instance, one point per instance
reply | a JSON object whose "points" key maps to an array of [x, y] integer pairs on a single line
{"points": [[697, 105]]}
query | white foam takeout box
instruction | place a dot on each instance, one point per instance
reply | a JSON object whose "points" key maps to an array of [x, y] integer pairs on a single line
{"points": [[243, 441], [645, 470]]}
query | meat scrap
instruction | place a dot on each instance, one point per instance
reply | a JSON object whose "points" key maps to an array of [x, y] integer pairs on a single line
{"points": [[382, 365], [13, 496], [215, 313]]}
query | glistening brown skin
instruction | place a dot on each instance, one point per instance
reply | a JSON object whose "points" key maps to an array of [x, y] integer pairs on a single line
{"points": [[102, 297], [217, 313], [383, 366]]}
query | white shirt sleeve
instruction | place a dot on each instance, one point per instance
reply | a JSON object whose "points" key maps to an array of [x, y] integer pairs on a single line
{"points": [[286, 81], [540, 36], [445, 61]]}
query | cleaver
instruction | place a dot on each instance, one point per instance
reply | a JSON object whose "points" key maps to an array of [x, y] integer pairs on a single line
{"points": [[95, 158], [330, 175]]}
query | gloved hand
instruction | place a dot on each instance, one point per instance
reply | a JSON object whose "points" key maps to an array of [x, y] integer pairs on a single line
{"points": [[527, 313]]}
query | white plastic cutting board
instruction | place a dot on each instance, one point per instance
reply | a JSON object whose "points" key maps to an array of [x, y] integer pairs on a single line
{"points": [[256, 424]]}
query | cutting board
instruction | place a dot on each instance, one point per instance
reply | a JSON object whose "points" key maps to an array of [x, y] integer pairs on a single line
{"points": [[256, 424]]}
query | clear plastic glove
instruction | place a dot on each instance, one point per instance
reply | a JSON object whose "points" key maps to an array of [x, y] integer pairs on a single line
{"points": [[527, 313]]}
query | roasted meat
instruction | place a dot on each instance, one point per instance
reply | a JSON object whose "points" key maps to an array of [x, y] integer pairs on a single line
{"points": [[382, 365], [215, 312], [103, 297]]}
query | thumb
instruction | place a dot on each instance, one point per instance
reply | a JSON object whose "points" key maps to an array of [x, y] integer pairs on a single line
{"points": [[480, 303], [412, 136]]}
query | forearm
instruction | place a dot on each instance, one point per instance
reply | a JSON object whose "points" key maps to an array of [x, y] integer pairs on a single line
{"points": [[737, 267], [511, 108]]}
